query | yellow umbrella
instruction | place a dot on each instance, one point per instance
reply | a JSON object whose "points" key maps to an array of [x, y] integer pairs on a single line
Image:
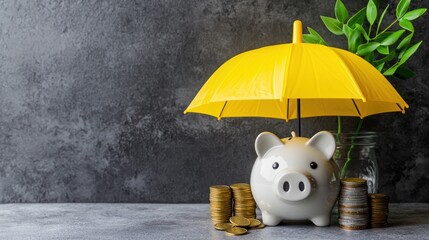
{"points": [[289, 81]]}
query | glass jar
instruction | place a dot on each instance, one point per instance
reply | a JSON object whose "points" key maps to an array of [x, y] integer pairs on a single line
{"points": [[358, 153]]}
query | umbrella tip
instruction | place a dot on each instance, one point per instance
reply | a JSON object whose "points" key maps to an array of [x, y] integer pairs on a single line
{"points": [[297, 31]]}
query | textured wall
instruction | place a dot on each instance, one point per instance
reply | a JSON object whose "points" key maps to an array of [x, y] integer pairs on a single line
{"points": [[92, 95]]}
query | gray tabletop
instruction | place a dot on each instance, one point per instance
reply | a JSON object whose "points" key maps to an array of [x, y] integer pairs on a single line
{"points": [[180, 221]]}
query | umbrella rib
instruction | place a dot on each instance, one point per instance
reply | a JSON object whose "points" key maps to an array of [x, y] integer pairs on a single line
{"points": [[399, 106], [287, 112], [224, 105], [357, 109]]}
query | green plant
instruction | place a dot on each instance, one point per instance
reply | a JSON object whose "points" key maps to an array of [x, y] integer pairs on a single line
{"points": [[385, 48]]}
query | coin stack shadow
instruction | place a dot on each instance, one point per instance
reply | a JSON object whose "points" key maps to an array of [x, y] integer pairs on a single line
{"points": [[220, 204], [353, 204], [244, 204], [379, 210]]}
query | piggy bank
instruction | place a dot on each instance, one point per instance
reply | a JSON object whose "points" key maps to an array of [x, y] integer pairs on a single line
{"points": [[295, 178]]}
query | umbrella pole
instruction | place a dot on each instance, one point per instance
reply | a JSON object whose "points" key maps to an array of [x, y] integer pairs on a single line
{"points": [[299, 116]]}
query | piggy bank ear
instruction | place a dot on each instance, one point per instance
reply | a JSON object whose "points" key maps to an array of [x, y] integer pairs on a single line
{"points": [[265, 141], [324, 142]]}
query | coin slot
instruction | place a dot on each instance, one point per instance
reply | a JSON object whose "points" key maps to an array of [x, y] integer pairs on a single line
{"points": [[286, 186], [301, 186]]}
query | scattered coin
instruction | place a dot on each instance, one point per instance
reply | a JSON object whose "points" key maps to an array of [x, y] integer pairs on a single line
{"points": [[254, 222], [236, 231], [223, 226], [260, 226], [239, 221]]}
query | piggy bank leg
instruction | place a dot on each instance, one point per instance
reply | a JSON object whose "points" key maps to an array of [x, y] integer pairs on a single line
{"points": [[269, 219], [322, 221]]}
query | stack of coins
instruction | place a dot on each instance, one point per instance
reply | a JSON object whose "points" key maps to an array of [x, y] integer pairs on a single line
{"points": [[353, 204], [220, 203], [379, 210], [244, 204]]}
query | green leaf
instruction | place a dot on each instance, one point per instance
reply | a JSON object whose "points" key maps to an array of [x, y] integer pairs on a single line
{"points": [[354, 40], [407, 25], [391, 70], [309, 38], [366, 48], [371, 12], [363, 31], [357, 18], [411, 15], [405, 42], [333, 25], [315, 33], [383, 50], [409, 52], [381, 18], [404, 73], [380, 67], [347, 30], [392, 38], [341, 12], [401, 53], [402, 8]]}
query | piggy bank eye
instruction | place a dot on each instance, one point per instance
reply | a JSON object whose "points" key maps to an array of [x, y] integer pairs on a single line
{"points": [[313, 165], [275, 165]]}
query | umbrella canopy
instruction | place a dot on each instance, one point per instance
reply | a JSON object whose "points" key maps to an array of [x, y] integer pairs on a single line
{"points": [[273, 81]]}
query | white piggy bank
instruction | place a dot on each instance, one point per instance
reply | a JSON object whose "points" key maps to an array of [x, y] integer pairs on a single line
{"points": [[295, 179]]}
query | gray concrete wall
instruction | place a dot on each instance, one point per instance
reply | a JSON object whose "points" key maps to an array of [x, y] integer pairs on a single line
{"points": [[92, 95]]}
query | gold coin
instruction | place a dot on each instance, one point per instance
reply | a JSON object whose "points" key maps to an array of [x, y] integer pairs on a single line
{"points": [[240, 185], [236, 230], [240, 221], [254, 222], [222, 226], [260, 226]]}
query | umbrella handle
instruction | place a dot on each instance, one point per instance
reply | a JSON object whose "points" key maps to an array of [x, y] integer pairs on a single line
{"points": [[298, 103], [297, 38]]}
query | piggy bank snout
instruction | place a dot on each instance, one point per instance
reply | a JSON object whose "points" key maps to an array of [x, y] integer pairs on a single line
{"points": [[293, 186]]}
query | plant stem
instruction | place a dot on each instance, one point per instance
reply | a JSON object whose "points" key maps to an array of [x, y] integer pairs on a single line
{"points": [[387, 28], [369, 33], [346, 164]]}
